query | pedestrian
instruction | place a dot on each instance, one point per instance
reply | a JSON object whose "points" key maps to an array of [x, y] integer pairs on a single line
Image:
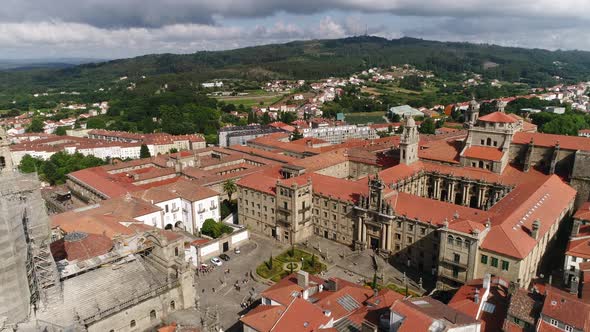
{"points": [[213, 289], [203, 291]]}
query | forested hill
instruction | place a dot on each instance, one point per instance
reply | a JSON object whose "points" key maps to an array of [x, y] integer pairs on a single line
{"points": [[315, 59]]}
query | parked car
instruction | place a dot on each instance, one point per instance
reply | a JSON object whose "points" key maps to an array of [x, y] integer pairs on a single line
{"points": [[216, 261], [237, 250], [224, 257]]}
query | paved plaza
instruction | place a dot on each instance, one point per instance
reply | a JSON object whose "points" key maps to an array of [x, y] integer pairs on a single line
{"points": [[217, 294]]}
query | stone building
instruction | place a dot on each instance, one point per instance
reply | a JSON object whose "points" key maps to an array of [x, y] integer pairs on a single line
{"points": [[438, 211]]}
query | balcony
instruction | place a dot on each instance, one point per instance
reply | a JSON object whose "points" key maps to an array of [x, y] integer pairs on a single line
{"points": [[282, 209], [455, 263], [213, 207], [284, 220], [175, 209], [201, 210]]}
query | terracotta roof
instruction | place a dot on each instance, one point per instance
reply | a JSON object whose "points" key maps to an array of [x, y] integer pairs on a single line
{"points": [[412, 206], [80, 246], [464, 301], [419, 314], [514, 215], [525, 306], [484, 153], [263, 317], [583, 213], [550, 140], [579, 248], [497, 117], [283, 290], [566, 308]]}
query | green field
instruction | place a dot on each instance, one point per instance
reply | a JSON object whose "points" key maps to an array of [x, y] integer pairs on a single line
{"points": [[255, 98], [358, 118]]}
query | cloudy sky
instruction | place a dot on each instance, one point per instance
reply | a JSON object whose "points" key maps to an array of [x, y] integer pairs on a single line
{"points": [[125, 28]]}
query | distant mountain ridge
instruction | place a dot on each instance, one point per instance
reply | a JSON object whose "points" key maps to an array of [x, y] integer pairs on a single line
{"points": [[315, 59]]}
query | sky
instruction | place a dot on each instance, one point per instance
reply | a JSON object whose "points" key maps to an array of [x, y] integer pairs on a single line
{"points": [[110, 29]]}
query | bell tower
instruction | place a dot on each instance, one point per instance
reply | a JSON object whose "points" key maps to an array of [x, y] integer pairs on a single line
{"points": [[408, 145]]}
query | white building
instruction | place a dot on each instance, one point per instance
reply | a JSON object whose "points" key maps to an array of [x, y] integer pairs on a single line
{"points": [[184, 205]]}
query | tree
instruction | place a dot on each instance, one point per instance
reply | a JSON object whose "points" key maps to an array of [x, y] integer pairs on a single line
{"points": [[95, 123], [265, 118], [61, 131], [296, 135], [36, 125], [144, 152], [427, 126], [173, 150], [270, 262], [209, 227], [229, 187]]}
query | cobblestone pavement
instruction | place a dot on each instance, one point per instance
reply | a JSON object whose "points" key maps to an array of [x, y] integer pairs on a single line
{"points": [[226, 299]]}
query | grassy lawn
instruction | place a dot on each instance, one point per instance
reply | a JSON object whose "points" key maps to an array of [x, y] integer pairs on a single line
{"points": [[356, 118], [254, 98], [275, 272]]}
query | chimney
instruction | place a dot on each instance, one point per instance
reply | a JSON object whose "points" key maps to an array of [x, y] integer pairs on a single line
{"points": [[574, 285], [476, 297], [487, 281], [332, 285], [535, 231], [302, 279]]}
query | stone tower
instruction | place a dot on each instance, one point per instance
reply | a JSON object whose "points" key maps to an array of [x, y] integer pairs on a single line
{"points": [[5, 159], [27, 269], [408, 145], [293, 206], [472, 113]]}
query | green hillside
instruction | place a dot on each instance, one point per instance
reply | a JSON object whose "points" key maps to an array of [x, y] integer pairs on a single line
{"points": [[313, 59]]}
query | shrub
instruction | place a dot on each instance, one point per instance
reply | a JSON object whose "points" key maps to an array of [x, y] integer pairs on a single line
{"points": [[215, 229]]}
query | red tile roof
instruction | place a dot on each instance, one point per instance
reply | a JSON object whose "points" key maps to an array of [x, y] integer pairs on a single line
{"points": [[483, 153], [550, 140], [583, 213], [497, 117], [579, 248], [566, 308], [81, 246], [464, 301]]}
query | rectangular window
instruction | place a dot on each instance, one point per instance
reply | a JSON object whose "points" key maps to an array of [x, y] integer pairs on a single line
{"points": [[410, 239], [553, 322], [411, 228], [423, 230], [569, 328], [455, 272], [398, 236], [505, 265], [494, 262], [484, 259]]}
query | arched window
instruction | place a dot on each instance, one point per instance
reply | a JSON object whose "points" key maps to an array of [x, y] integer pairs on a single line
{"points": [[132, 323], [168, 227], [467, 243], [450, 239], [153, 315], [489, 141], [459, 242], [172, 305]]}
